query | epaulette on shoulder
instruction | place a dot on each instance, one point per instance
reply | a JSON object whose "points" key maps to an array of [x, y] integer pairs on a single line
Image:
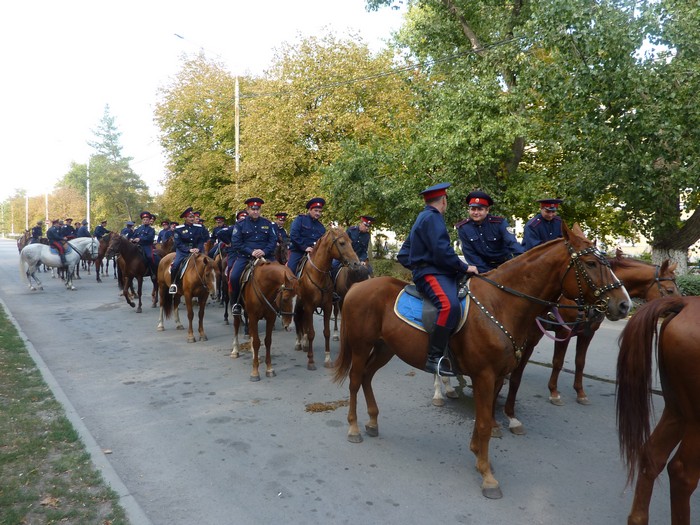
{"points": [[462, 222], [179, 226], [197, 225], [534, 222], [496, 219]]}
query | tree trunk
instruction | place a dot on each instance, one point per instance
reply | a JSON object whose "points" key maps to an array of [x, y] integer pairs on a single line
{"points": [[658, 255]]}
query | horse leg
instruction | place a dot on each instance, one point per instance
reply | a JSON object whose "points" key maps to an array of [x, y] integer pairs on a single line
{"points": [[269, 326], [139, 287], [360, 353], [653, 456], [160, 326], [202, 306], [336, 309], [298, 325], [516, 376], [380, 357], [255, 345], [484, 397], [557, 365], [125, 290], [236, 346], [69, 277], [327, 310], [582, 343], [190, 318], [309, 334], [154, 293], [450, 392], [684, 471], [176, 308]]}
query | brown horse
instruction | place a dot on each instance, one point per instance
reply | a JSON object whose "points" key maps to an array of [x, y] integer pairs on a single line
{"points": [[344, 279], [133, 266], [678, 357], [316, 290], [23, 240], [642, 281], [491, 341], [198, 281], [268, 293]]}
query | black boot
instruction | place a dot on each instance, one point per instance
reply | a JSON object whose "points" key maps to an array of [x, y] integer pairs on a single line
{"points": [[438, 362], [173, 287], [64, 263]]}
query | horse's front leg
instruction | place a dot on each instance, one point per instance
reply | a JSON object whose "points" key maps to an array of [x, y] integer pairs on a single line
{"points": [[139, 288], [69, 277], [582, 343], [336, 310], [236, 347], [557, 365], [202, 305], [190, 318], [484, 396], [450, 392], [516, 376], [309, 334], [154, 293], [160, 326], [327, 310], [255, 346], [125, 291], [269, 326]]}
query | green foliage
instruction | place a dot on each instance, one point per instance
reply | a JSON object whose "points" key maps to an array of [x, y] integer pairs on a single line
{"points": [[390, 268], [689, 284]]}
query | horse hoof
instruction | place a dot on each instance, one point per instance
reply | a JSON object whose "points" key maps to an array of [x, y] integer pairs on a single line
{"points": [[311, 366], [180, 327], [354, 438], [203, 338], [336, 337], [138, 310], [327, 364], [452, 395], [191, 340], [583, 401], [518, 430], [556, 400], [234, 355], [492, 492], [160, 328], [438, 402], [496, 432], [372, 431], [297, 347], [254, 379], [271, 373]]}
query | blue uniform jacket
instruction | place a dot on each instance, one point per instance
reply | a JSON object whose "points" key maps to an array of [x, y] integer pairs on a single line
{"points": [[488, 244], [428, 249], [360, 242], [54, 234], [304, 233], [145, 234], [68, 231], [185, 238], [248, 235], [100, 231], [36, 232], [164, 235], [538, 231], [83, 231], [127, 232]]}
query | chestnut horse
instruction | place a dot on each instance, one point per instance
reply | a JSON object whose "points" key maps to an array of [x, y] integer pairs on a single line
{"points": [[489, 344], [678, 358], [269, 293], [133, 266], [316, 290], [198, 281], [344, 279], [642, 281]]}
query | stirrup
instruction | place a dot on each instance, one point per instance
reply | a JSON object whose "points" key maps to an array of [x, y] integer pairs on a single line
{"points": [[236, 309], [436, 368], [173, 289]]}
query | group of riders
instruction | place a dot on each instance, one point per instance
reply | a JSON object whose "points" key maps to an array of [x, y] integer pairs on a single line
{"points": [[486, 241]]}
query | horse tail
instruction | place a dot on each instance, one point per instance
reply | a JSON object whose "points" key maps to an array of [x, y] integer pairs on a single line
{"points": [[23, 268], [634, 375], [166, 302], [344, 360]]}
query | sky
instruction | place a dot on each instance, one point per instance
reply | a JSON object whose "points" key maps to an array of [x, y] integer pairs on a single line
{"points": [[64, 61]]}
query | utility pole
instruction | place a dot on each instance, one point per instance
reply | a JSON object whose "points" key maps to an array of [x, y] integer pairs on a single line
{"points": [[88, 194], [237, 125]]}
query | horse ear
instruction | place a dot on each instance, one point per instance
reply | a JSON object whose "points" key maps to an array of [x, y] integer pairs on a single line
{"points": [[577, 230], [618, 253]]}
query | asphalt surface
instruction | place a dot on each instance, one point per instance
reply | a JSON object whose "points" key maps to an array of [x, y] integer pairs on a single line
{"points": [[185, 438]]}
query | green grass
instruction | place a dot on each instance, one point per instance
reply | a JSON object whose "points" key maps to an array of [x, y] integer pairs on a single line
{"points": [[46, 475]]}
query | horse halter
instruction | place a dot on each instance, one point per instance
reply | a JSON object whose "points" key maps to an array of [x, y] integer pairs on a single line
{"points": [[276, 304], [601, 304], [657, 282]]}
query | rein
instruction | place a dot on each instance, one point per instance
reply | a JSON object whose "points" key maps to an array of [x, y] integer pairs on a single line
{"points": [[325, 289], [657, 282], [276, 299]]}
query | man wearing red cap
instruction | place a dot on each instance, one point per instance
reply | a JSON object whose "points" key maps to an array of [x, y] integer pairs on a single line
{"points": [[144, 236], [436, 268], [360, 237], [486, 239], [545, 226], [282, 250], [188, 239], [252, 238], [305, 231]]}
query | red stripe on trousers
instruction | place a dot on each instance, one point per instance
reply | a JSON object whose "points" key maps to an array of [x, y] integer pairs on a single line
{"points": [[444, 301]]}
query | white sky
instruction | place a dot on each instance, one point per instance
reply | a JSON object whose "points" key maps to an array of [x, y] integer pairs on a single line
{"points": [[63, 61]]}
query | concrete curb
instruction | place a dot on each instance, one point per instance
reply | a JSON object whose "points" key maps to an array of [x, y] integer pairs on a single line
{"points": [[133, 510]]}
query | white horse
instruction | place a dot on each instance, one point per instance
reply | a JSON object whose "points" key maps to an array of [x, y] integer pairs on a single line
{"points": [[33, 255]]}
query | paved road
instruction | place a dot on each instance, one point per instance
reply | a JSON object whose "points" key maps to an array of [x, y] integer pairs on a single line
{"points": [[194, 442]]}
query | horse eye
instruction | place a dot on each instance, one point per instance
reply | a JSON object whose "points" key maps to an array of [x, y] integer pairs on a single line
{"points": [[591, 264]]}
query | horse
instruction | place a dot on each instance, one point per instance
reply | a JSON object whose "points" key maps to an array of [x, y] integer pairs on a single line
{"points": [[316, 290], [269, 293], [33, 255], [642, 281], [344, 279], [23, 240], [485, 348], [133, 266], [678, 358], [198, 281]]}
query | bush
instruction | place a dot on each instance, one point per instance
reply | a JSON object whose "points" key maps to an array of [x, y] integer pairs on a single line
{"points": [[391, 268], [689, 284]]}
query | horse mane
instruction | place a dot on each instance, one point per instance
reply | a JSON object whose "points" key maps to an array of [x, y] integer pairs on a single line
{"points": [[625, 262]]}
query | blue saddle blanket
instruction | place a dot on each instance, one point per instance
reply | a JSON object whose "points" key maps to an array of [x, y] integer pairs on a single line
{"points": [[410, 309]]}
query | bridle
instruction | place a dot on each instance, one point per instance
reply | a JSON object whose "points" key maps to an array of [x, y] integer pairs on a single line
{"points": [[201, 276], [344, 262], [657, 282], [276, 304]]}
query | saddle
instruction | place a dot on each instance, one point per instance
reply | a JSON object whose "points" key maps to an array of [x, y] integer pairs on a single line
{"points": [[247, 273], [413, 308]]}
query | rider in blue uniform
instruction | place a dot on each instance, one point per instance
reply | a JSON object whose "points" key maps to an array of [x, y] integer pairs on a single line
{"points": [[198, 220], [83, 231], [251, 238], [487, 241], [282, 237], [545, 226], [144, 236], [188, 239], [37, 232], [68, 230], [101, 230], [220, 221], [56, 239], [305, 231], [165, 233], [360, 237], [128, 230], [436, 268]]}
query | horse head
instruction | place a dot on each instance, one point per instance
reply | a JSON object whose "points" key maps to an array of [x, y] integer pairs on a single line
{"points": [[115, 243], [341, 248], [592, 281]]}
